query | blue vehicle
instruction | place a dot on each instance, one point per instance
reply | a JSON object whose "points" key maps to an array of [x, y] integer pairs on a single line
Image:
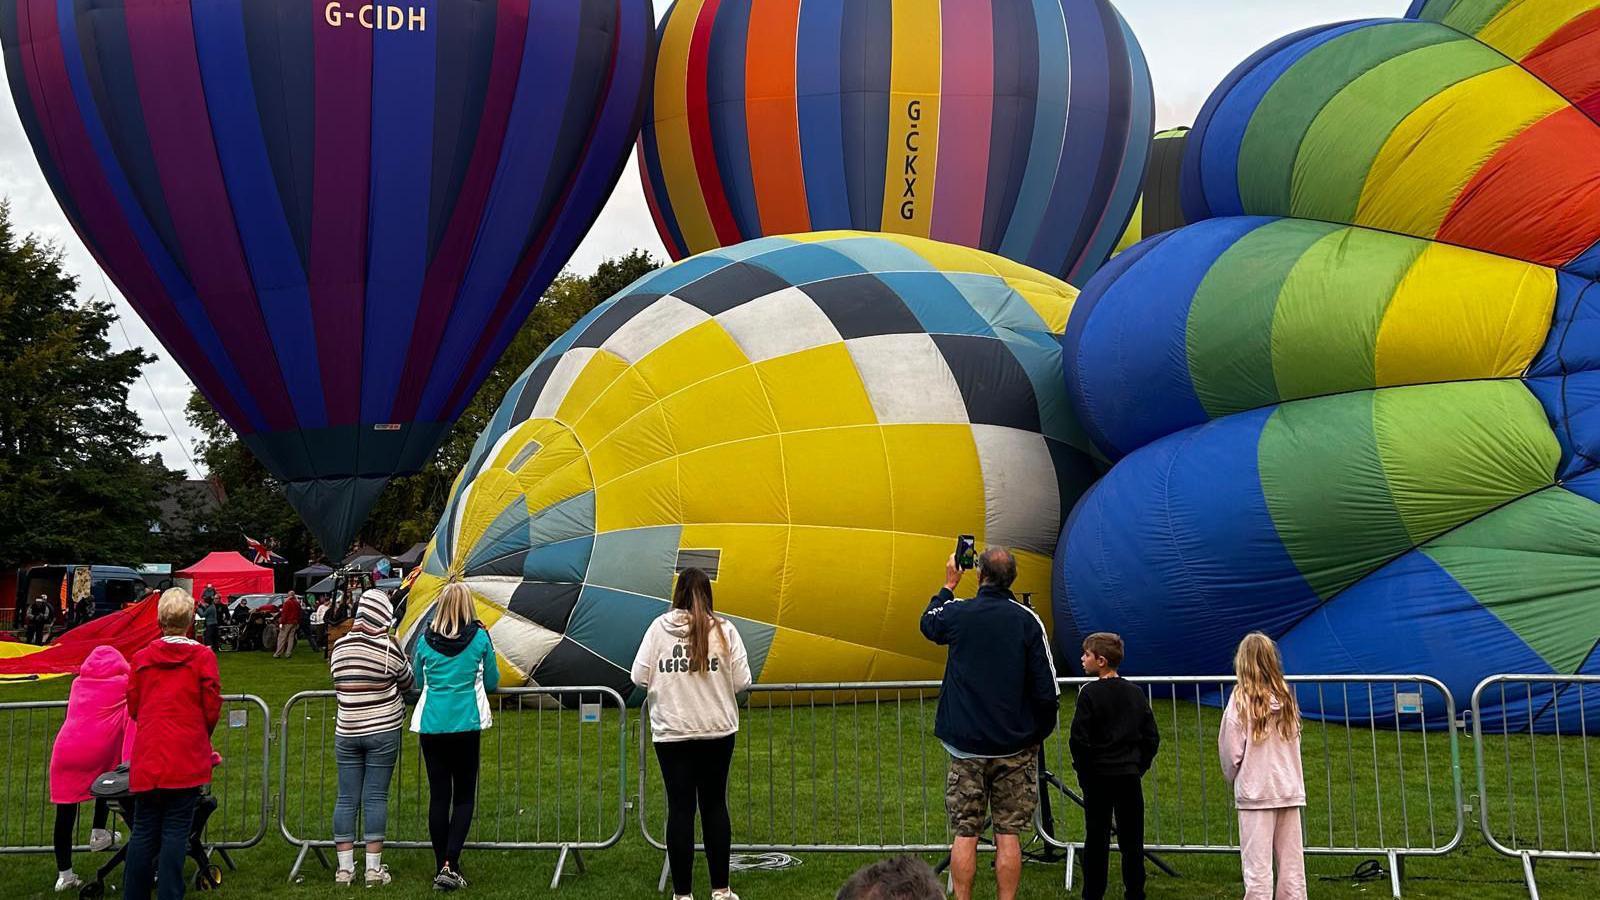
{"points": [[110, 587]]}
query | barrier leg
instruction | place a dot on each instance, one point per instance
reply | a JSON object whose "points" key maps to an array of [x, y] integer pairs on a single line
{"points": [[1527, 875], [666, 869], [228, 860], [1072, 857], [1396, 872], [300, 858], [561, 863]]}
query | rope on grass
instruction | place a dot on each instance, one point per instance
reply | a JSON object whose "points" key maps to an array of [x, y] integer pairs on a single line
{"points": [[767, 862]]}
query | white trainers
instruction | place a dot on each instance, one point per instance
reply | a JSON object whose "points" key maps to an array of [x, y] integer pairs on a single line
{"points": [[344, 876], [378, 876], [724, 894], [101, 839], [68, 881]]}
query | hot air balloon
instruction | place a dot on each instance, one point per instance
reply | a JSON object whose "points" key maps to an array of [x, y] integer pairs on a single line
{"points": [[333, 215], [813, 420], [1354, 405], [1019, 127], [1160, 206]]}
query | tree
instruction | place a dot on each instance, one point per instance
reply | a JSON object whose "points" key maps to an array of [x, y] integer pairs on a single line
{"points": [[77, 480], [410, 506]]}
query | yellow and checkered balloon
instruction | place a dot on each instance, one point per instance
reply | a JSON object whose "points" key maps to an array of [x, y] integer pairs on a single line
{"points": [[811, 419]]}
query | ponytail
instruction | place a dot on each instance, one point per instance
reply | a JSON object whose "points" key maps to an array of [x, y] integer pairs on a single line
{"points": [[693, 594]]}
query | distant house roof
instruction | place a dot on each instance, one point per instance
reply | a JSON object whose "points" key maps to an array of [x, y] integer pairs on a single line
{"points": [[187, 503], [364, 550]]}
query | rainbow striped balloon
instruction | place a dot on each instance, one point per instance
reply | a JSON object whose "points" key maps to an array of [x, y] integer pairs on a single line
{"points": [[1357, 404], [985, 123]]}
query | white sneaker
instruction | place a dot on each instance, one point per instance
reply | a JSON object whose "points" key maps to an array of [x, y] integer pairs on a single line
{"points": [[378, 876], [101, 839], [724, 894], [344, 876], [68, 882], [682, 897]]}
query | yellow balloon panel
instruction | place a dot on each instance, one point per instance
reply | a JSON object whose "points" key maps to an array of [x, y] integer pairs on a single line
{"points": [[811, 421]]}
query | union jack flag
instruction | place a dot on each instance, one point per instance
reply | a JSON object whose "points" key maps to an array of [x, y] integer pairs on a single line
{"points": [[264, 556]]}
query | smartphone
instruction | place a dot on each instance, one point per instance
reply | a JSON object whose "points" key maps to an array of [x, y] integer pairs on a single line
{"points": [[966, 552]]}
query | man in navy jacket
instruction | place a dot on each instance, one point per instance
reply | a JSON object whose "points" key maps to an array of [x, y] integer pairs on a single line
{"points": [[997, 704]]}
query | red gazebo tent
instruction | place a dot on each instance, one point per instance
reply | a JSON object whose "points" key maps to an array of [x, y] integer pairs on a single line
{"points": [[229, 573]]}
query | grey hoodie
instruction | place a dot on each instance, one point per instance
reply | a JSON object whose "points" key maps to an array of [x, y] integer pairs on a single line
{"points": [[691, 705]]}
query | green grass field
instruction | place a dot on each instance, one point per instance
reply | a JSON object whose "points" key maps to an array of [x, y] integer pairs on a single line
{"points": [[810, 772]]}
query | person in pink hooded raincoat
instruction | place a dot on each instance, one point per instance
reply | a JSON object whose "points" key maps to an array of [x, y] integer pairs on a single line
{"points": [[96, 737]]}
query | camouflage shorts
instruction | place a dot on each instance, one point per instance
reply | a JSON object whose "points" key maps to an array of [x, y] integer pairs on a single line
{"points": [[1005, 790]]}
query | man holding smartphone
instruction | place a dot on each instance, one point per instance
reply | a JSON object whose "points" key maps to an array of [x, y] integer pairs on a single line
{"points": [[997, 704]]}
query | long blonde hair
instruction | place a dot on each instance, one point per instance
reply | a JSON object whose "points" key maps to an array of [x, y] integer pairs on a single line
{"points": [[454, 611], [1260, 672]]}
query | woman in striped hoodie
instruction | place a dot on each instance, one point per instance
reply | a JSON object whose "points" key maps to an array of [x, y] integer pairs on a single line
{"points": [[370, 673]]}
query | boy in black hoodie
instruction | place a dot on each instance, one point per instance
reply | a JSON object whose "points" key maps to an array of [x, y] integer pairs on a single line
{"points": [[1113, 742]]}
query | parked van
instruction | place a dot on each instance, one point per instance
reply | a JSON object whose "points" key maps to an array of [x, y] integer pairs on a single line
{"points": [[110, 587]]}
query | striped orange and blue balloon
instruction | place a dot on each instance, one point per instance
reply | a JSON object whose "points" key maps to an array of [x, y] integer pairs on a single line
{"points": [[334, 215], [1020, 127]]}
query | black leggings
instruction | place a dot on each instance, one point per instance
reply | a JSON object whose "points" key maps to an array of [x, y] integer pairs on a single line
{"points": [[452, 761], [697, 772], [66, 821]]}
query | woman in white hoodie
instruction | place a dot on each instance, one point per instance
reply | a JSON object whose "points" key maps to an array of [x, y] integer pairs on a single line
{"points": [[693, 664]]}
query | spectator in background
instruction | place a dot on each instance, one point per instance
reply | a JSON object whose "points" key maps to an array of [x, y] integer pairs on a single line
{"points": [[209, 595], [996, 706], [80, 612], [288, 626], [174, 699], [319, 625], [40, 617], [899, 878], [207, 615], [338, 621]]}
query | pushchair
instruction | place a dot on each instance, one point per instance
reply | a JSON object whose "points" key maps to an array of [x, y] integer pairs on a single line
{"points": [[113, 788]]}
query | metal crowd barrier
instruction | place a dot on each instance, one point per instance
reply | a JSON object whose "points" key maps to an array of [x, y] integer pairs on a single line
{"points": [[239, 784], [1381, 756], [552, 777], [824, 768], [1540, 804], [855, 767]]}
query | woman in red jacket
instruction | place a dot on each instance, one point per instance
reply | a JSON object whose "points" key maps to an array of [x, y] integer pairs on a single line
{"points": [[175, 698]]}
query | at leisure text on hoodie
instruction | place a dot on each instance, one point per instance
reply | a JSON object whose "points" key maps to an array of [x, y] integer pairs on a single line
{"points": [[456, 675], [97, 735], [175, 699], [685, 705]]}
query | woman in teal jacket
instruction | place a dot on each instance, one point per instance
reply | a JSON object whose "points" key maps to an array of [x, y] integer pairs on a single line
{"points": [[455, 668]]}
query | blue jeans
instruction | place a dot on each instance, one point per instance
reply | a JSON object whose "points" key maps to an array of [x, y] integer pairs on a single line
{"points": [[366, 763], [161, 820]]}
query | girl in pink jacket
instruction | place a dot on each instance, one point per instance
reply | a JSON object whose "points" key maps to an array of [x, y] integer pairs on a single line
{"points": [[1260, 749], [96, 737]]}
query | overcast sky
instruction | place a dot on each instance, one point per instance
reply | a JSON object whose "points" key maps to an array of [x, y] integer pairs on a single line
{"points": [[1191, 45]]}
